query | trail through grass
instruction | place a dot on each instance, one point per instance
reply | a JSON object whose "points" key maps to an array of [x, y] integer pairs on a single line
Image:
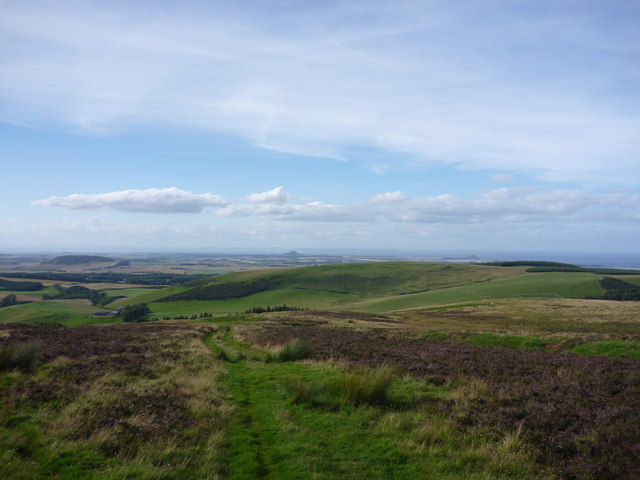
{"points": [[276, 435]]}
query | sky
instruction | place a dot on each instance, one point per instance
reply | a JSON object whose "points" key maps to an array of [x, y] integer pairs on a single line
{"points": [[475, 125]]}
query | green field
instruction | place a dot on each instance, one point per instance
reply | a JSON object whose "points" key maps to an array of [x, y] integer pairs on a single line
{"points": [[144, 295], [374, 287], [45, 291], [312, 299], [387, 286], [543, 285], [369, 279], [65, 312]]}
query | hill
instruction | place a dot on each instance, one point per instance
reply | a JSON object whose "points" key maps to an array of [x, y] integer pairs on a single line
{"points": [[362, 280], [78, 260]]}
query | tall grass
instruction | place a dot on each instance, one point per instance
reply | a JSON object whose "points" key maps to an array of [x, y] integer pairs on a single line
{"points": [[19, 356], [368, 386], [296, 349]]}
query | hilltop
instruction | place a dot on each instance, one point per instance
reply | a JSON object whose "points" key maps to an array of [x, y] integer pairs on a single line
{"points": [[78, 260]]}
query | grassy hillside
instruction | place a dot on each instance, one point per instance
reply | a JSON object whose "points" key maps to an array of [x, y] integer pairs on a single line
{"points": [[539, 285], [313, 299], [364, 280], [65, 312], [373, 287]]}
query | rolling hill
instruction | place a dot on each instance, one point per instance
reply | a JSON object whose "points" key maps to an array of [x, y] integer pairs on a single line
{"points": [[370, 287]]}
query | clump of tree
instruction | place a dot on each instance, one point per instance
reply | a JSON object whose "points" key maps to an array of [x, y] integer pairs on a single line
{"points": [[277, 308], [615, 289], [20, 286], [136, 313], [10, 300], [96, 297], [65, 293]]}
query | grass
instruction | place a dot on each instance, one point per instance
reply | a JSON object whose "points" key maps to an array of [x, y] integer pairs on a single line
{"points": [[364, 287], [436, 335], [64, 312], [544, 285], [371, 279], [49, 290], [147, 295], [296, 349], [365, 386], [291, 296], [381, 425], [610, 348], [91, 416], [19, 356]]}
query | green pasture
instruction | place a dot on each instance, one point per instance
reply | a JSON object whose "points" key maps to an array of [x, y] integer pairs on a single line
{"points": [[565, 285], [313, 299], [610, 348], [65, 312], [373, 279], [142, 295], [204, 271], [39, 294]]}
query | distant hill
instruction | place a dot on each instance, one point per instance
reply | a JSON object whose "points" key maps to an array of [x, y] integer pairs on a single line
{"points": [[78, 260], [360, 280]]}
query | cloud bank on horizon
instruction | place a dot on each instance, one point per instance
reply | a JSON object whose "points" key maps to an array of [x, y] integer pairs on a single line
{"points": [[509, 205], [547, 88]]}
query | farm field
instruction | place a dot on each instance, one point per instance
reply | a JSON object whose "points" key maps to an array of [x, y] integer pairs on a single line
{"points": [[491, 373], [63, 312]]}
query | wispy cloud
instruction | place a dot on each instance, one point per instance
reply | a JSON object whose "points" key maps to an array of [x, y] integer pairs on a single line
{"points": [[152, 200], [479, 84]]}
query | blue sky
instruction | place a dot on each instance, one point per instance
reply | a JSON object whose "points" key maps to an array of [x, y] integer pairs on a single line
{"points": [[410, 125]]}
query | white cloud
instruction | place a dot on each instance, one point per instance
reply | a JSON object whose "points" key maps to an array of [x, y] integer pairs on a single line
{"points": [[152, 200], [389, 197], [504, 205], [480, 84], [272, 196]]}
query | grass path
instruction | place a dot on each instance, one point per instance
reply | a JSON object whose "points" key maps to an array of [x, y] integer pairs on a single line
{"points": [[273, 437]]}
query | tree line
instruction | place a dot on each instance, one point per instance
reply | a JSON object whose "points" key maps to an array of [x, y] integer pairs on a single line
{"points": [[151, 278]]}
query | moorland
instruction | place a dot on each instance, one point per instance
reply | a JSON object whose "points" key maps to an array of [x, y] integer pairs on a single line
{"points": [[515, 370]]}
